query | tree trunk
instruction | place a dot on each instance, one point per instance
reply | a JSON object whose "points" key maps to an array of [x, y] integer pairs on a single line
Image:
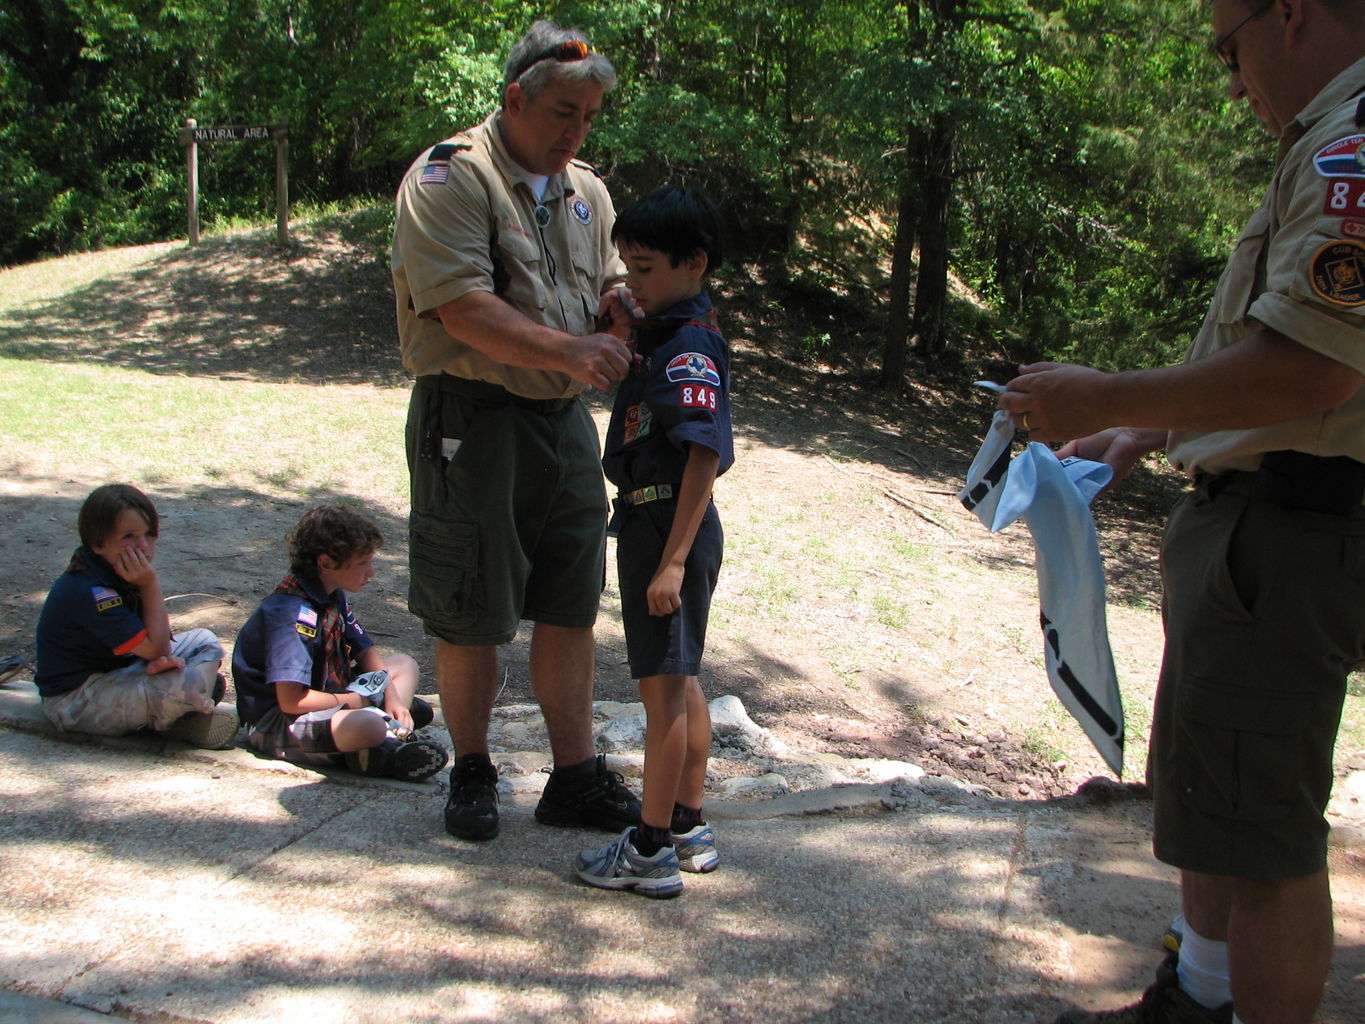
{"points": [[897, 340], [931, 293]]}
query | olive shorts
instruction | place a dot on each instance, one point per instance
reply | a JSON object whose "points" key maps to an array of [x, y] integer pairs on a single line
{"points": [[1265, 615], [509, 513]]}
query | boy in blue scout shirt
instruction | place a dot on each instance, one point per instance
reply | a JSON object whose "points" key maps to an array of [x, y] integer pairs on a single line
{"points": [[311, 686], [668, 440], [107, 661]]}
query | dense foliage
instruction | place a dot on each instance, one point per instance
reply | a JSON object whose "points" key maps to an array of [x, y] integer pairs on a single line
{"points": [[1074, 166]]}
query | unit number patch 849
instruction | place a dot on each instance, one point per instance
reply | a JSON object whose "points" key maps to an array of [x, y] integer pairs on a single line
{"points": [[1345, 196]]}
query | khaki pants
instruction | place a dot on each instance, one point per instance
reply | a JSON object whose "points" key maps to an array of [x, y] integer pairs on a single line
{"points": [[129, 699]]}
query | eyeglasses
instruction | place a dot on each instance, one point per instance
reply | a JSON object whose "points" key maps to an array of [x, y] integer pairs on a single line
{"points": [[566, 53], [1220, 45]]}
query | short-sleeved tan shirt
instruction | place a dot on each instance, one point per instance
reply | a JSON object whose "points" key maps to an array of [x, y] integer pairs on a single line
{"points": [[1299, 269], [466, 222]]}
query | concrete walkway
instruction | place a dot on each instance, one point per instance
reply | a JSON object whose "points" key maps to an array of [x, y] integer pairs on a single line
{"points": [[146, 881]]}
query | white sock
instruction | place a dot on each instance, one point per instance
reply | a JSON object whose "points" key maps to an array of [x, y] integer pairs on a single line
{"points": [[1237, 1020], [1203, 969]]}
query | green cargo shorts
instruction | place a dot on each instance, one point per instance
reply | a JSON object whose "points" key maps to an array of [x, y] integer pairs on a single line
{"points": [[509, 512], [1265, 616]]}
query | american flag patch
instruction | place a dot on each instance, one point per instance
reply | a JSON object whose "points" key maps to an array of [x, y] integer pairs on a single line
{"points": [[434, 174], [308, 616], [105, 598]]}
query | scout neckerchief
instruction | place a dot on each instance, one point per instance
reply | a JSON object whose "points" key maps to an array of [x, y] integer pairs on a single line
{"points": [[331, 638], [653, 331]]}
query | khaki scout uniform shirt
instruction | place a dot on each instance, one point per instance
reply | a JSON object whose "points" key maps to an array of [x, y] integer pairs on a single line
{"points": [[465, 222], [1299, 269]]}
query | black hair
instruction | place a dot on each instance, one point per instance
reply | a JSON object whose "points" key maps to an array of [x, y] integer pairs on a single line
{"points": [[99, 513], [339, 532], [674, 220]]}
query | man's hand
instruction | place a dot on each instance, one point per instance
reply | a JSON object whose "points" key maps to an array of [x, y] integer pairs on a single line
{"points": [[597, 360], [665, 590], [1120, 448], [618, 311], [1058, 402], [165, 663]]}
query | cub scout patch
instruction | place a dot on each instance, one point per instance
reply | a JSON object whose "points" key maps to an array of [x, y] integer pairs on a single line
{"points": [[105, 599], [1344, 158], [307, 624], [638, 422], [693, 366], [581, 210], [1338, 273], [697, 396]]}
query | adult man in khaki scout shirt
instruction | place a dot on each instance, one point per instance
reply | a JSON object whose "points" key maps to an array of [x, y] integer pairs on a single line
{"points": [[501, 257], [1264, 561]]}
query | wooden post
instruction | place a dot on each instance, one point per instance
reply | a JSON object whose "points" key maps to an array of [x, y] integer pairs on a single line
{"points": [[190, 137], [282, 183], [192, 162]]}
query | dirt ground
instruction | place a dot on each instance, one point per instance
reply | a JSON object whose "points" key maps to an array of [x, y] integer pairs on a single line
{"points": [[861, 609]]}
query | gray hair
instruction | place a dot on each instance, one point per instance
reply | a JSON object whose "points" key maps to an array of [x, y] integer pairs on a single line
{"points": [[535, 75]]}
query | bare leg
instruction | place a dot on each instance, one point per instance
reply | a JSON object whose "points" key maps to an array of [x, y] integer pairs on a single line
{"points": [[1279, 934], [692, 783], [667, 744], [404, 677], [467, 679], [358, 730], [562, 667]]}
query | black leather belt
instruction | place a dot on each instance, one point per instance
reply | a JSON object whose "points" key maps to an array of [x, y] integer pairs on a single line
{"points": [[497, 395], [1334, 485]]}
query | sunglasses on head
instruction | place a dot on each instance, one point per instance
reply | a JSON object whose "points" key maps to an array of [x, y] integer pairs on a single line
{"points": [[566, 53]]}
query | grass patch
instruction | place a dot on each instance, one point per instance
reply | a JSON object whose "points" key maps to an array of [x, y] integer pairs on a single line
{"points": [[287, 439]]}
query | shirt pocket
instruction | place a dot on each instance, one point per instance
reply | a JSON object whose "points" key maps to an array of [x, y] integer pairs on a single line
{"points": [[517, 272]]}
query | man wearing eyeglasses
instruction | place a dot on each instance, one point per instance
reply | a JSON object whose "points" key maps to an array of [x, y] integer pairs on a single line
{"points": [[1263, 561], [502, 263]]}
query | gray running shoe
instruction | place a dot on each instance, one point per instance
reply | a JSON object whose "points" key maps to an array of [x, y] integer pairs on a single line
{"points": [[620, 865]]}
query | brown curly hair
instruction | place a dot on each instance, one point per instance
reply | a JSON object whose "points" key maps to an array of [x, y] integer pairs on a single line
{"points": [[339, 532]]}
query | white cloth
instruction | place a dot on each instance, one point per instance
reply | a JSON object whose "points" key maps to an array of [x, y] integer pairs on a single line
{"points": [[1053, 498]]}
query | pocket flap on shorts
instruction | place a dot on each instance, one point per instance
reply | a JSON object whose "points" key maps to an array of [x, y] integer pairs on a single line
{"points": [[1242, 710]]}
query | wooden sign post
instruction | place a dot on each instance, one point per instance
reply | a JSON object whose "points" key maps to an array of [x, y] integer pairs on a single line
{"points": [[192, 135]]}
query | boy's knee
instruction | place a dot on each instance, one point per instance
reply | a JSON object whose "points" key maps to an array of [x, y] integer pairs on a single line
{"points": [[402, 668]]}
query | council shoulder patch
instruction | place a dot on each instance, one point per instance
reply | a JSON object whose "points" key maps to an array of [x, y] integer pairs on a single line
{"points": [[693, 366], [1344, 158], [1337, 273]]}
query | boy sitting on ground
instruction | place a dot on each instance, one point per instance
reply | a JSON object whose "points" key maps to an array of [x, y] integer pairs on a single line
{"points": [[108, 663], [311, 686]]}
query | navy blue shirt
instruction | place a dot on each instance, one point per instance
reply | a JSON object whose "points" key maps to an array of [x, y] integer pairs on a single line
{"points": [[283, 642], [679, 394], [89, 625]]}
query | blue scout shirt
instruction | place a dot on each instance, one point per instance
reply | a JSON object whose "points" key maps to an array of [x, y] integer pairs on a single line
{"points": [[284, 642], [680, 393], [88, 625]]}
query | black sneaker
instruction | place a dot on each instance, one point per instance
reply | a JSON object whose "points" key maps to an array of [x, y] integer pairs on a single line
{"points": [[1164, 1002], [408, 761], [472, 808], [416, 761], [600, 801]]}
